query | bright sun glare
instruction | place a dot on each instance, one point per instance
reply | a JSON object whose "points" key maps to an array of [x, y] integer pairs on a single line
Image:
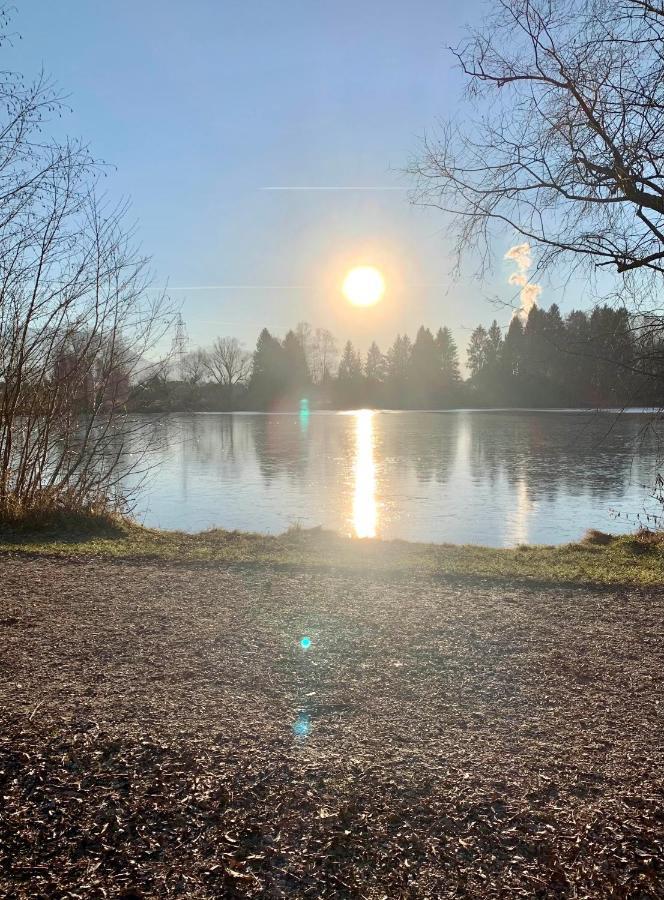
{"points": [[364, 286]]}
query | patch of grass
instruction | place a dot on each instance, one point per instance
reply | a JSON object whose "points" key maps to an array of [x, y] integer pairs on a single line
{"points": [[636, 559]]}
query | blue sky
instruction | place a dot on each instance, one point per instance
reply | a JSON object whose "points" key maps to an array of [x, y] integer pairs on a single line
{"points": [[203, 105]]}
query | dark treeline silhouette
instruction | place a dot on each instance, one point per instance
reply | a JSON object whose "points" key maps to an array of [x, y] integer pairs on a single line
{"points": [[602, 359], [598, 359]]}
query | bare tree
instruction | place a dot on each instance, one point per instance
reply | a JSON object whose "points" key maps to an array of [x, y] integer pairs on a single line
{"points": [[195, 366], [76, 321], [227, 362], [306, 338], [567, 147], [324, 355]]}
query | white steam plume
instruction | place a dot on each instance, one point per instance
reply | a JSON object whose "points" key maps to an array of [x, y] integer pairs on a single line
{"points": [[520, 255]]}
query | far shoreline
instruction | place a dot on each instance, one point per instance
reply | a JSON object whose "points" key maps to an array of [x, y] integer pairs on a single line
{"points": [[293, 411]]}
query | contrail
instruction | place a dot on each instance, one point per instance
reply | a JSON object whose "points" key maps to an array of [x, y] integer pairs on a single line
{"points": [[521, 256], [334, 188], [238, 287]]}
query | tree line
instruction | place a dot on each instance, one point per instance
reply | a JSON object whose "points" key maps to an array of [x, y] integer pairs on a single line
{"points": [[597, 359]]}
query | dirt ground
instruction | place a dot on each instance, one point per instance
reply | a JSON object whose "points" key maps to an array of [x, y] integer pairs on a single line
{"points": [[165, 734]]}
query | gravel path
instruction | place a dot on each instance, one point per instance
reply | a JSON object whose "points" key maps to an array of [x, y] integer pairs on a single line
{"points": [[164, 734]]}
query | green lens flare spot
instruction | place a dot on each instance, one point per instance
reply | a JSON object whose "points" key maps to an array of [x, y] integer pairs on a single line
{"points": [[305, 643]]}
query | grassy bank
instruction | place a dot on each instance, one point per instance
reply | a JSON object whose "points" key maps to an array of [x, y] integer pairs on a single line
{"points": [[597, 559]]}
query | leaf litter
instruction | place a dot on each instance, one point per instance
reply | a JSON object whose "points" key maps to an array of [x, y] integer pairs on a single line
{"points": [[164, 734]]}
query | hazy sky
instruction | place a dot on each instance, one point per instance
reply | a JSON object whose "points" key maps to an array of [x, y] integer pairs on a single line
{"points": [[203, 105]]}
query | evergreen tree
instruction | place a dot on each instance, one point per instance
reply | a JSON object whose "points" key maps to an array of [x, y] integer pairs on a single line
{"points": [[534, 359], [375, 367], [513, 348], [268, 374], [477, 351], [350, 377], [554, 362], [295, 361], [485, 363], [398, 366], [579, 363], [350, 364], [375, 370], [511, 363], [613, 351], [494, 346], [425, 371], [449, 359]]}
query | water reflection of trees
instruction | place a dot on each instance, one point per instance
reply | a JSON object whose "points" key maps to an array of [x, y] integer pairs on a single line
{"points": [[281, 444], [549, 454], [195, 441], [543, 454], [425, 443], [215, 441], [510, 459]]}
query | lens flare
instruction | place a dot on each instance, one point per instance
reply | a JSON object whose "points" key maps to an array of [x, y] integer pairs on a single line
{"points": [[302, 726], [305, 643], [304, 415]]}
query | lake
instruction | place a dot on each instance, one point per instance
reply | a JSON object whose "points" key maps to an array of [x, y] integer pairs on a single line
{"points": [[498, 478]]}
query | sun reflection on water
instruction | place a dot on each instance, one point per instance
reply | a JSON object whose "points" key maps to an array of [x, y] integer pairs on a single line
{"points": [[522, 510], [364, 499]]}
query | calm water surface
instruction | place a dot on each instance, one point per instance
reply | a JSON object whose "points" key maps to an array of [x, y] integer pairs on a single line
{"points": [[496, 478]]}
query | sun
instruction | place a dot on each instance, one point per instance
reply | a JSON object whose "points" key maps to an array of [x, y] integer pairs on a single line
{"points": [[364, 286]]}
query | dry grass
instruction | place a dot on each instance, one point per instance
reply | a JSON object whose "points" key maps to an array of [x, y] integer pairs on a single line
{"points": [[636, 559], [59, 511], [597, 538]]}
